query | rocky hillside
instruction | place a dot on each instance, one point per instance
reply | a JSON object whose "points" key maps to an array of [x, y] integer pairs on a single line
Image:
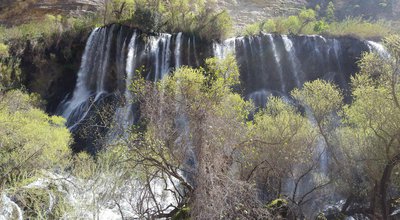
{"points": [[243, 11], [20, 11], [249, 11]]}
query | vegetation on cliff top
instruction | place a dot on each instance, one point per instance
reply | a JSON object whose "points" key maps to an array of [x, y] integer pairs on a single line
{"points": [[323, 22]]}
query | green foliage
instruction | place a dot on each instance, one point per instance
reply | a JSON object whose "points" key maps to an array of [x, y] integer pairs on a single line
{"points": [[41, 203], [277, 204], [291, 24], [306, 22], [44, 30], [147, 19], [321, 216], [214, 26], [371, 125], [10, 73], [269, 26], [359, 27], [196, 110], [182, 214], [122, 9], [279, 207], [190, 16], [252, 29], [281, 133], [320, 97], [321, 27], [224, 70], [30, 140], [330, 12], [3, 50], [374, 114]]}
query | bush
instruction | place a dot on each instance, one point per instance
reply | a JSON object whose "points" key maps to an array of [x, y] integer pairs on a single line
{"points": [[199, 17], [47, 28], [3, 50], [252, 29], [358, 27], [217, 26], [147, 20], [306, 23], [41, 203], [30, 140], [10, 73]]}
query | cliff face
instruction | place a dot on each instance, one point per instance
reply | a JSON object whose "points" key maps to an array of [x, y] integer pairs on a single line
{"points": [[242, 11], [268, 64], [19, 11], [249, 11]]}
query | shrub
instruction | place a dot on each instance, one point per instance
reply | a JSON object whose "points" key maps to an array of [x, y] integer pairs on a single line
{"points": [[306, 23], [252, 29], [41, 203], [269, 26], [3, 50], [199, 17], [10, 73], [360, 28], [218, 26], [147, 19], [30, 140]]}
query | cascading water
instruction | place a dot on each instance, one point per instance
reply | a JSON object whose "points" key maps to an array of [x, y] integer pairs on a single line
{"points": [[269, 65], [275, 64], [294, 63], [178, 43], [379, 48], [105, 64]]}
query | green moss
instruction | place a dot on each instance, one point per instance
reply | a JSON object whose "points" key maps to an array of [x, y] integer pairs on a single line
{"points": [[277, 203], [182, 214]]}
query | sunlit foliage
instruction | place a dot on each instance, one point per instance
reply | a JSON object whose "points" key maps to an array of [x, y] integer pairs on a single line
{"points": [[30, 140]]}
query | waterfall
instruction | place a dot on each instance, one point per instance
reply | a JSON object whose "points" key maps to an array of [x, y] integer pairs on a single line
{"points": [[124, 115], [269, 65], [166, 53], [196, 58], [378, 48], [277, 60], [82, 91], [105, 66], [178, 43], [222, 50], [105, 54], [292, 59]]}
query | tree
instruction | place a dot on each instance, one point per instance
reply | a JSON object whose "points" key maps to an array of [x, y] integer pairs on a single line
{"points": [[322, 101], [372, 131], [194, 125], [330, 12], [306, 16], [282, 154], [10, 74]]}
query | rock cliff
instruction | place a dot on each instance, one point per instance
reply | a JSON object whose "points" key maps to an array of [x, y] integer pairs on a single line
{"points": [[242, 11]]}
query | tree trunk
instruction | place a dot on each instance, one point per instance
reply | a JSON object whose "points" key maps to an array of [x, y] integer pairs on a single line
{"points": [[384, 185]]}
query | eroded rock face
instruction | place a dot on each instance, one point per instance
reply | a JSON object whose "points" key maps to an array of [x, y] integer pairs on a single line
{"points": [[249, 11], [14, 12]]}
